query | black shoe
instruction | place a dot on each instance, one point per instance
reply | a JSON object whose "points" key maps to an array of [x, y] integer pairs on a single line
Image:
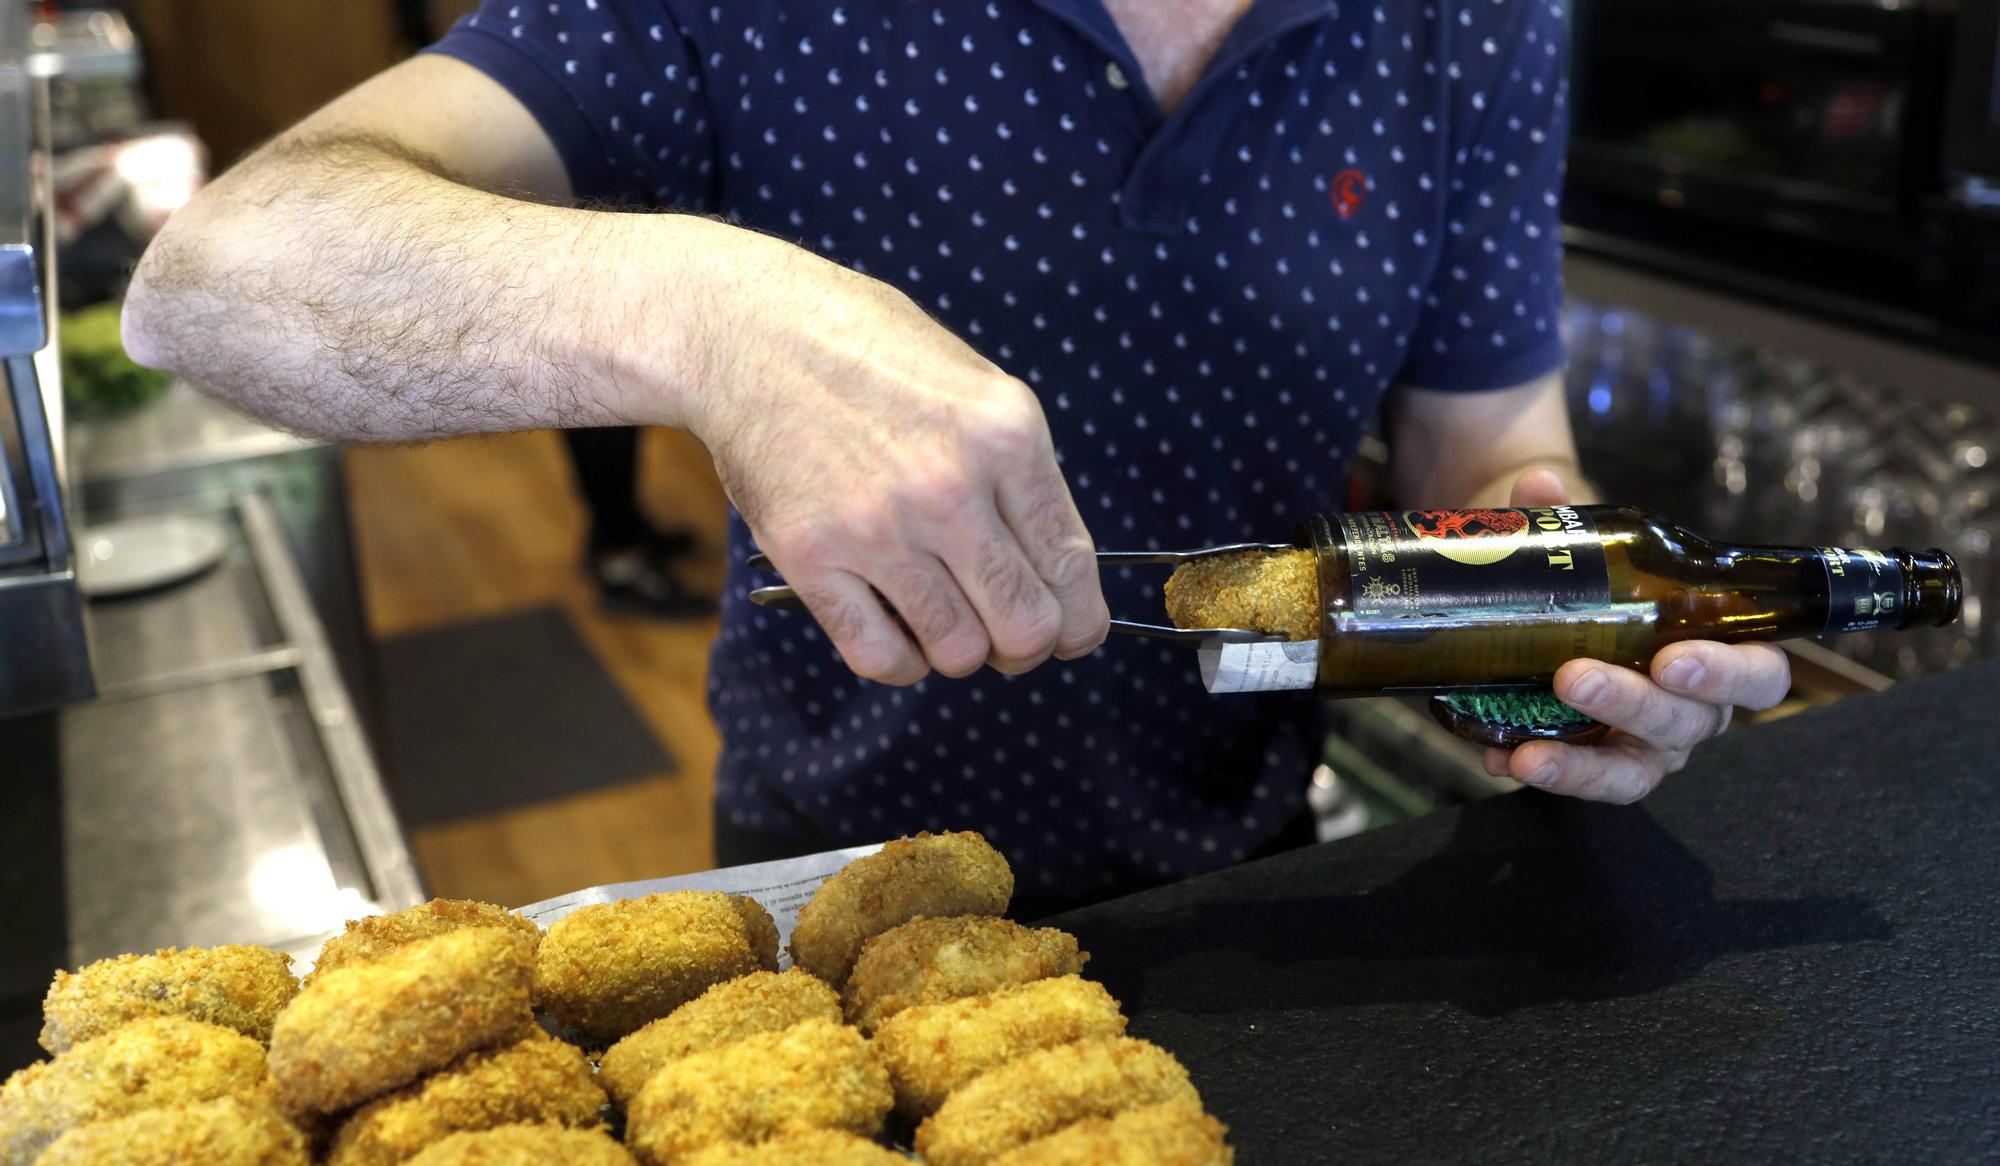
{"points": [[638, 582]]}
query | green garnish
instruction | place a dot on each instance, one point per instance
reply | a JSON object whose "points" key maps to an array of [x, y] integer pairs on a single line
{"points": [[1529, 710]]}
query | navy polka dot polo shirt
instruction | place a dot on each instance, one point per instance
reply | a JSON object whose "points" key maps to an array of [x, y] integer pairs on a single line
{"points": [[1209, 304]]}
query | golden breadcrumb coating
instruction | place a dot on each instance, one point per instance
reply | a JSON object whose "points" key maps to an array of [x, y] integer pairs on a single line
{"points": [[933, 1049], [359, 1031], [800, 1148], [930, 874], [378, 935], [239, 987], [928, 961], [228, 1131], [160, 1060], [1172, 1133], [1038, 1094], [610, 968], [526, 1145], [1274, 592], [817, 1074], [539, 1079], [727, 1012]]}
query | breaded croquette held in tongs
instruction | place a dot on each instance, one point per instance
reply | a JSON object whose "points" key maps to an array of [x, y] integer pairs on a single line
{"points": [[929, 961], [727, 1012], [930, 874], [610, 968], [238, 987], [1274, 592]]}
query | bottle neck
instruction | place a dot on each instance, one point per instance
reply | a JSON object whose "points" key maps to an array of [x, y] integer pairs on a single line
{"points": [[1893, 589]]}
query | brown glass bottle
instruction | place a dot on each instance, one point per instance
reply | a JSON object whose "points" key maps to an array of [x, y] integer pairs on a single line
{"points": [[1434, 600]]}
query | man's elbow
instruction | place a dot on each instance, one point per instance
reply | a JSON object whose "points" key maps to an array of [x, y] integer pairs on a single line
{"points": [[156, 298], [141, 325]]}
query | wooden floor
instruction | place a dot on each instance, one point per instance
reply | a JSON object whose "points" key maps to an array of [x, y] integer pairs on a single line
{"points": [[480, 527]]}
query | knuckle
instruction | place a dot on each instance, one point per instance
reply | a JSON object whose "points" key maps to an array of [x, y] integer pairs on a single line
{"points": [[938, 491], [927, 607], [880, 661], [1070, 565], [867, 522], [1010, 419], [1030, 638]]}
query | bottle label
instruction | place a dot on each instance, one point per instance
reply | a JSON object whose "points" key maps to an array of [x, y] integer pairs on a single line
{"points": [[1487, 564], [1864, 590]]}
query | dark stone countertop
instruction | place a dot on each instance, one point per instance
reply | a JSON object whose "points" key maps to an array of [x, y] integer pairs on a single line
{"points": [[1788, 953]]}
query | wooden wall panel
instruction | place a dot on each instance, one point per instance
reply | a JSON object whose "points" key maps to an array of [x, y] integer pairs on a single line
{"points": [[241, 70]]}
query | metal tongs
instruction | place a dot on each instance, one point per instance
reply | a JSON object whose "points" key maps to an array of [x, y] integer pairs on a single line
{"points": [[784, 598]]}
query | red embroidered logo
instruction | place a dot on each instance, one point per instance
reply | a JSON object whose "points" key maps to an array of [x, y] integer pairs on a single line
{"points": [[1349, 188]]}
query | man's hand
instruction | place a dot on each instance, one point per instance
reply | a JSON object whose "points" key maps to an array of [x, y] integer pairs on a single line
{"points": [[879, 459], [1688, 698]]}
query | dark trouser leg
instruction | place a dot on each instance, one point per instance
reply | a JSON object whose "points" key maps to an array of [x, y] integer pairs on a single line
{"points": [[607, 473]]}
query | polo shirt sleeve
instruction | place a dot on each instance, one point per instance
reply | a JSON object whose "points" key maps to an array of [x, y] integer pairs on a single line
{"points": [[587, 69], [1492, 311]]}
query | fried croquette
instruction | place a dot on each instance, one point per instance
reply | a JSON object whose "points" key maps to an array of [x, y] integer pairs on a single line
{"points": [[933, 1049], [539, 1079], [1171, 1133], [816, 1074], [1040, 1093], [239, 987], [800, 1148], [929, 961], [727, 1012], [526, 1145], [1274, 592], [362, 1030], [155, 1061], [228, 1131], [610, 968], [930, 874], [378, 935], [615, 967]]}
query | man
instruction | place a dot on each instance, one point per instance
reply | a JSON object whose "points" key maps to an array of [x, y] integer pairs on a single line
{"points": [[1012, 280]]}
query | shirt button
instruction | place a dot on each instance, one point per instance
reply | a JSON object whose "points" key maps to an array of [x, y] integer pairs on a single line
{"points": [[1116, 76]]}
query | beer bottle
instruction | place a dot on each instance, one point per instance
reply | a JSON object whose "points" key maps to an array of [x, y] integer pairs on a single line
{"points": [[1448, 600]]}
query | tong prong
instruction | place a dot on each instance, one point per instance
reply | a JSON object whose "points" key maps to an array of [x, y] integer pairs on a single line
{"points": [[783, 598], [759, 561]]}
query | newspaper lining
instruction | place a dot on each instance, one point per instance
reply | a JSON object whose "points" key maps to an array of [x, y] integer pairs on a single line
{"points": [[1264, 666]]}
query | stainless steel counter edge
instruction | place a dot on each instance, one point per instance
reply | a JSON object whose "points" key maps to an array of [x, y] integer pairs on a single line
{"points": [[392, 869]]}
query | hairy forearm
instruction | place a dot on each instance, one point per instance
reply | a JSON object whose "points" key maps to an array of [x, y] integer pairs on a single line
{"points": [[345, 287]]}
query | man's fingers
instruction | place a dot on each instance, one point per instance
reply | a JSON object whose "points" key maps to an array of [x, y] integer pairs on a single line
{"points": [[1753, 676], [1626, 700], [1621, 772], [1540, 488], [1038, 508], [1022, 618], [853, 617], [927, 597]]}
